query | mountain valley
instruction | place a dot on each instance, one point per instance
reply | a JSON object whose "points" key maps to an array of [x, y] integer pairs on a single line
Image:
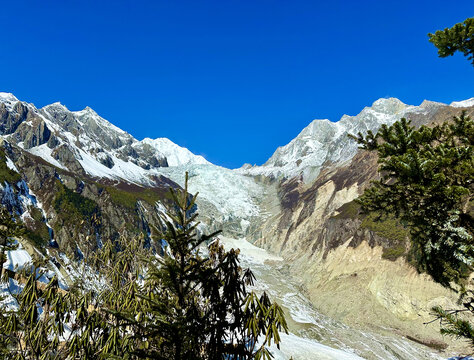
{"points": [[344, 278]]}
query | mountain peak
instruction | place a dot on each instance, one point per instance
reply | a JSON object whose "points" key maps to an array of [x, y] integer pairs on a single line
{"points": [[388, 106], [175, 154], [464, 103], [86, 110], [5, 96], [56, 105]]}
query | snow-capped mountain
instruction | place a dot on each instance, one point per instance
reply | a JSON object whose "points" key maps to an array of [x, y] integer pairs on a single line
{"points": [[463, 104], [60, 166], [324, 142], [82, 141]]}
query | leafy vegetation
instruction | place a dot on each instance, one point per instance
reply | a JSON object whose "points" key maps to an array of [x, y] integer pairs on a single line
{"points": [[387, 227], [128, 198], [73, 205], [36, 232], [349, 210], [427, 182], [38, 238]]}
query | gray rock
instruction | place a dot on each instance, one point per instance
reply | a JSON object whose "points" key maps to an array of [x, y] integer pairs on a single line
{"points": [[67, 158], [37, 135]]}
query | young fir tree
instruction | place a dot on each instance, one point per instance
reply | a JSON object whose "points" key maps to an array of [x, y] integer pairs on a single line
{"points": [[427, 180], [194, 302]]}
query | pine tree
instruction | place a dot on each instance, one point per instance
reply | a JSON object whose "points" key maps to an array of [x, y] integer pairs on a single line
{"points": [[427, 181], [458, 38]]}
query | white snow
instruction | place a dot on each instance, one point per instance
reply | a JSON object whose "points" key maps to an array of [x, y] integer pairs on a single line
{"points": [[250, 252], [8, 302], [11, 165], [464, 103], [17, 259], [300, 348], [121, 170], [232, 194], [8, 99], [4, 96], [175, 154], [44, 152]]}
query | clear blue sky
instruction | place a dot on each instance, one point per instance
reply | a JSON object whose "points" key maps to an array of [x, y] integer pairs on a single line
{"points": [[231, 80]]}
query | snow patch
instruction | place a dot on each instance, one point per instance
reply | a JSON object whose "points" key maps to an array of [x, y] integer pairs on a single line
{"points": [[11, 165], [17, 259], [464, 103]]}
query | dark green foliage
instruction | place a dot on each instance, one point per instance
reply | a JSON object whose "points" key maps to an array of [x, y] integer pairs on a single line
{"points": [[129, 197], [458, 38], [72, 205], [28, 334], [349, 210], [9, 228], [7, 174], [191, 305], [454, 323], [427, 182], [394, 252], [38, 238], [387, 227], [37, 233]]}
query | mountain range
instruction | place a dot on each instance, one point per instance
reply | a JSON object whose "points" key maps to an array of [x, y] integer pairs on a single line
{"points": [[57, 167]]}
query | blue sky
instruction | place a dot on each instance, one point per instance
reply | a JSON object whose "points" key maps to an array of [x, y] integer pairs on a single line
{"points": [[231, 80]]}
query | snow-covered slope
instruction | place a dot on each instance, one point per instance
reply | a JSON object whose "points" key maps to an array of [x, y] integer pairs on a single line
{"points": [[230, 193], [175, 154], [324, 142], [464, 103], [85, 143]]}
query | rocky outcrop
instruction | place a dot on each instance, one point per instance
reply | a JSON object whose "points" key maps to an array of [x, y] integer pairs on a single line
{"points": [[35, 133], [11, 119], [68, 159]]}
